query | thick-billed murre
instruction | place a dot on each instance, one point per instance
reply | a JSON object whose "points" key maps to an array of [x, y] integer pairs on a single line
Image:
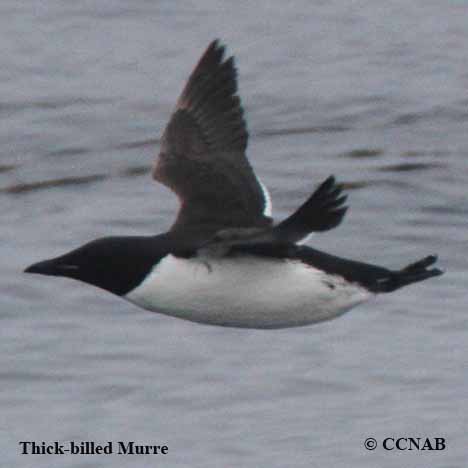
{"points": [[223, 261]]}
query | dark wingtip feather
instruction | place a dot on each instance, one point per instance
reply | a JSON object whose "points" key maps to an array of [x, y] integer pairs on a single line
{"points": [[210, 96], [323, 210]]}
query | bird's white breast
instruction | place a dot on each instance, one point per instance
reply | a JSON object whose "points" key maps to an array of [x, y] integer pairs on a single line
{"points": [[245, 291]]}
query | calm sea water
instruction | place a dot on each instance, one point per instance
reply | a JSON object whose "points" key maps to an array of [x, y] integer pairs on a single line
{"points": [[373, 92]]}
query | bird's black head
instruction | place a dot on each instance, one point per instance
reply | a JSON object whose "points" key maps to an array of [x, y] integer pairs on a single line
{"points": [[116, 264]]}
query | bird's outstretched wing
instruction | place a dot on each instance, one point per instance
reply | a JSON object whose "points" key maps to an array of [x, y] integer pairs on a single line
{"points": [[322, 211], [202, 157]]}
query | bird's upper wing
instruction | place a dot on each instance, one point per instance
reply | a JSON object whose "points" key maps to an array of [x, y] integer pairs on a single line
{"points": [[322, 211], [202, 157]]}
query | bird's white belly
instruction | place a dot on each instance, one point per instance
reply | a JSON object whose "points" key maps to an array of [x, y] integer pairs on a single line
{"points": [[246, 291]]}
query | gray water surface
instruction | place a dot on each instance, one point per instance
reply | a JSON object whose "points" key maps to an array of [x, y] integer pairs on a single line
{"points": [[373, 92]]}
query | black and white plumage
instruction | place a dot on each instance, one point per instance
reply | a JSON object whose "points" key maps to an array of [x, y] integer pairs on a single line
{"points": [[224, 261]]}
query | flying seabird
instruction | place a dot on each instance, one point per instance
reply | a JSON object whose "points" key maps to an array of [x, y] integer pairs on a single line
{"points": [[224, 261]]}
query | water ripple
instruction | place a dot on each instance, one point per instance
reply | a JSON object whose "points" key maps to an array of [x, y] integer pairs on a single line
{"points": [[45, 184], [453, 112], [134, 171], [406, 167], [7, 167], [302, 130], [26, 187], [364, 153], [50, 102], [70, 151], [138, 144]]}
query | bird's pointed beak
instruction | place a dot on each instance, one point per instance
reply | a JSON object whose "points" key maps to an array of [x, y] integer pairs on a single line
{"points": [[52, 267]]}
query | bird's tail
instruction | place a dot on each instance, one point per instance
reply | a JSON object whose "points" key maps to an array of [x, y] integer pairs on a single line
{"points": [[417, 271]]}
